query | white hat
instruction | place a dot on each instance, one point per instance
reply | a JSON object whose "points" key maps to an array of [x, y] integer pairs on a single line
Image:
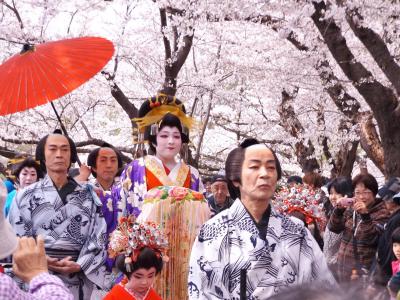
{"points": [[9, 240]]}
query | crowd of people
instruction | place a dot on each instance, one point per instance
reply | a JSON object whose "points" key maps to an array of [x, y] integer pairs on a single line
{"points": [[150, 229]]}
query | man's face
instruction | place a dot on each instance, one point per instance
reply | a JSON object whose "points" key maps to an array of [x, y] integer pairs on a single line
{"points": [[57, 153], [106, 164], [220, 191], [259, 175]]}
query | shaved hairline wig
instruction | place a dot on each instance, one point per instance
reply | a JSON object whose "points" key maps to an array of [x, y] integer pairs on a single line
{"points": [[234, 164], [39, 155]]}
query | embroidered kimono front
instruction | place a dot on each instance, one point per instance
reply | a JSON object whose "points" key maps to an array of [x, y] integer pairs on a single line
{"points": [[111, 212], [73, 228], [173, 206], [133, 182], [230, 242]]}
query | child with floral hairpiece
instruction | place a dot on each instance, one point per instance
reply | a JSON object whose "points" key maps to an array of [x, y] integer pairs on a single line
{"points": [[139, 249]]}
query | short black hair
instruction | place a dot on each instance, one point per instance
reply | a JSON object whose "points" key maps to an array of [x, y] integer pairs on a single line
{"points": [[368, 181], [342, 185], [294, 179], [396, 235], [92, 157], [169, 120], [234, 164], [29, 162], [42, 143], [146, 259]]}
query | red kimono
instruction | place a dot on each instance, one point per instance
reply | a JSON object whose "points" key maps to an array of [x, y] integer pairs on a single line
{"points": [[118, 292]]}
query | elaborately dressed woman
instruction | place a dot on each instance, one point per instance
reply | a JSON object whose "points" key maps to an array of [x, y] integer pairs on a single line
{"points": [[164, 189]]}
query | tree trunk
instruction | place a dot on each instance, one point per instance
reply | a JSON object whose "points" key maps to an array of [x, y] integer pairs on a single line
{"points": [[382, 100], [304, 149]]}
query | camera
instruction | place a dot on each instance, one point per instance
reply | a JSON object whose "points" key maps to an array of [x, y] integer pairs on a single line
{"points": [[346, 202]]}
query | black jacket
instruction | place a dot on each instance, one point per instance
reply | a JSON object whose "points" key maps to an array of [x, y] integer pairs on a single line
{"points": [[385, 252]]}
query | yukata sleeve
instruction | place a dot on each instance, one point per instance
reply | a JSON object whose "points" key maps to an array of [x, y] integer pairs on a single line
{"points": [[93, 253], [20, 216], [203, 280], [48, 287], [312, 262]]}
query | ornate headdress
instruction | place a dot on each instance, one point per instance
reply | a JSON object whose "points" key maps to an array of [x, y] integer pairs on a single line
{"points": [[302, 199], [131, 237], [154, 109]]}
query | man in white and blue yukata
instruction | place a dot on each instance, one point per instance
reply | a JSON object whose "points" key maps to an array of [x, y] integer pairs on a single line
{"points": [[67, 214], [250, 251]]}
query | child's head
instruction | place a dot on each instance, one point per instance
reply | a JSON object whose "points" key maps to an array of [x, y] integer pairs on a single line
{"points": [[139, 250], [142, 272], [396, 243]]}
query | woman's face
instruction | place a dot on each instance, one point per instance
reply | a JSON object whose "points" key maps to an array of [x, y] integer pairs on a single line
{"points": [[169, 142], [363, 194], [334, 196], [27, 176], [142, 279]]}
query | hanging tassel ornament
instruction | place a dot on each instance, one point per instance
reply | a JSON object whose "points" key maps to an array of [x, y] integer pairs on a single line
{"points": [[128, 264]]}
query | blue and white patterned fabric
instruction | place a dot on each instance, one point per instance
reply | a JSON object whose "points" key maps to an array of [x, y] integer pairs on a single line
{"points": [[76, 226], [230, 242]]}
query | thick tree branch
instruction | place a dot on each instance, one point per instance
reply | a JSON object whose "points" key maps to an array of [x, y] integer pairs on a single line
{"points": [[4, 151], [376, 47], [129, 108], [304, 149], [376, 95], [371, 143], [167, 45], [347, 104], [382, 100]]}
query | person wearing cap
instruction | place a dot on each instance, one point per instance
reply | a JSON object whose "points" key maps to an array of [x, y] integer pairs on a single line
{"points": [[67, 214], [251, 251], [390, 194], [29, 264], [219, 200]]}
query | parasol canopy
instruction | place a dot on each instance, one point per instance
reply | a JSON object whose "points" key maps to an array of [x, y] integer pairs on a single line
{"points": [[42, 73]]}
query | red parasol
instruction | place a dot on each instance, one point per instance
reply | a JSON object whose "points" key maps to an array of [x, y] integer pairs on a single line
{"points": [[44, 72]]}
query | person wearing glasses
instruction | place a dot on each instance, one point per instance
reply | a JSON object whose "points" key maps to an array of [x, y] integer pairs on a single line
{"points": [[360, 220]]}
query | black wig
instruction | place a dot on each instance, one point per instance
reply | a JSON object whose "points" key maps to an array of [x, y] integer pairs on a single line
{"points": [[42, 143]]}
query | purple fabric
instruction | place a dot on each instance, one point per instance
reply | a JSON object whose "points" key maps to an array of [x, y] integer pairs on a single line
{"points": [[111, 218], [194, 182], [43, 286], [137, 176]]}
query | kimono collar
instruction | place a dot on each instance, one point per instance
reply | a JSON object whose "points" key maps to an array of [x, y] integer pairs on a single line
{"points": [[177, 175], [239, 213], [47, 182], [262, 226]]}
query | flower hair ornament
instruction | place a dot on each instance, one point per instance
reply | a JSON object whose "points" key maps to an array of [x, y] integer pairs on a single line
{"points": [[302, 199], [130, 237]]}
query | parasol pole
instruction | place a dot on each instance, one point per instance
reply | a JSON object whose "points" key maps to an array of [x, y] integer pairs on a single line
{"points": [[243, 275], [63, 129]]}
